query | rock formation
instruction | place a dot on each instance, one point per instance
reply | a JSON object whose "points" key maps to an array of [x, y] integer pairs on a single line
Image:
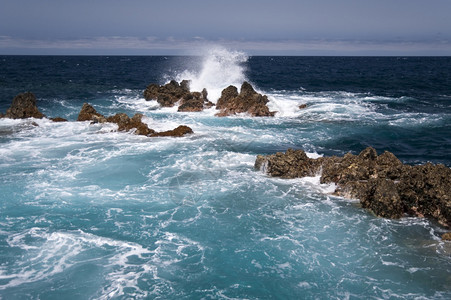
{"points": [[23, 107], [169, 94], [177, 132], [88, 113], [230, 103], [382, 183], [195, 101], [125, 123], [247, 101], [58, 119]]}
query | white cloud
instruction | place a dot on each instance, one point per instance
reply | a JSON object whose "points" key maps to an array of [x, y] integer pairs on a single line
{"points": [[152, 45]]}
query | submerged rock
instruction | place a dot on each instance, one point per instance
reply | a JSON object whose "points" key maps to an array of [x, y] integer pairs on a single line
{"points": [[177, 132], [247, 101], [382, 183], [58, 119], [23, 107]]}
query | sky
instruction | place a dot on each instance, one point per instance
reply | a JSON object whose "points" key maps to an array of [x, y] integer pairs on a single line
{"points": [[258, 27]]}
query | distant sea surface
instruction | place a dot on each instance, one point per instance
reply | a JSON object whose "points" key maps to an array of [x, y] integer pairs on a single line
{"points": [[87, 212]]}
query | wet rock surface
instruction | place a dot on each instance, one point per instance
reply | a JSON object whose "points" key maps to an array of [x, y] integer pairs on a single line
{"points": [[24, 106], [195, 101], [177, 132], [125, 123], [230, 103], [169, 94], [247, 101], [382, 183], [88, 113]]}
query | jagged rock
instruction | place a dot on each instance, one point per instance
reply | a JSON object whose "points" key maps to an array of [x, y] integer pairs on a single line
{"points": [[23, 107], [227, 95], [195, 101], [247, 101], [426, 189], [167, 95], [125, 123], [382, 183], [302, 106], [292, 164], [381, 196], [446, 236], [58, 119], [177, 132], [88, 113]]}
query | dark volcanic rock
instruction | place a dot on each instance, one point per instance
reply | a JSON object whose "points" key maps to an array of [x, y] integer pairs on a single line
{"points": [[125, 123], [24, 106], [177, 132], [167, 95], [382, 183], [247, 101], [292, 164], [58, 119], [88, 113], [195, 101]]}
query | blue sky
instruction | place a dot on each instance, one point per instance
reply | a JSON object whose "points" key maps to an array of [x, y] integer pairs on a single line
{"points": [[283, 27]]}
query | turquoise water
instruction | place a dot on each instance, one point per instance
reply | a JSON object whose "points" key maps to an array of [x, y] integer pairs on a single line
{"points": [[91, 213]]}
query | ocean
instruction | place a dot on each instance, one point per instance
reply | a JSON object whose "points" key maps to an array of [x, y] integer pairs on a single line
{"points": [[87, 212]]}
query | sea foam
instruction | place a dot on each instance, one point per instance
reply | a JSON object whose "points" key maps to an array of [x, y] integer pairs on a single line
{"points": [[220, 68]]}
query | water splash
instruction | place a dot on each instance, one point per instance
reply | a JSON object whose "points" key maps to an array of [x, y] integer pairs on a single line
{"points": [[220, 68]]}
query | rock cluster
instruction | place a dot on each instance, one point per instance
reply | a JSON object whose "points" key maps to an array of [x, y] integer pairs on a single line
{"points": [[230, 103], [169, 94], [125, 123], [382, 183], [24, 106], [247, 101]]}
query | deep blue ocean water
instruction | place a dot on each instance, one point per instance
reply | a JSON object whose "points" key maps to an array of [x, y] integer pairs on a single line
{"points": [[87, 212]]}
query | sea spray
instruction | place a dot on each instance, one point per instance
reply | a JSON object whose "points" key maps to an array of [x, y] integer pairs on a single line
{"points": [[220, 68]]}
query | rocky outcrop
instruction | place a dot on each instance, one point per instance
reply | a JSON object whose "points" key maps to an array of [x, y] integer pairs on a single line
{"points": [[382, 183], [58, 119], [125, 123], [247, 101], [88, 113], [23, 107], [195, 101], [169, 94], [177, 132], [174, 93]]}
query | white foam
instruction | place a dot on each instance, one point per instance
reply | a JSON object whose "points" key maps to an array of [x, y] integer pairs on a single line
{"points": [[220, 68], [50, 253]]}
